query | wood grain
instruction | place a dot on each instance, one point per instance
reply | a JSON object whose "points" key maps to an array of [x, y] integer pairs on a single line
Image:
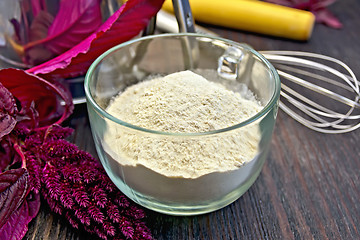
{"points": [[309, 185]]}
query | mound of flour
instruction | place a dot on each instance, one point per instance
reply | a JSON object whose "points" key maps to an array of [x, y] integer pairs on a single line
{"points": [[182, 102]]}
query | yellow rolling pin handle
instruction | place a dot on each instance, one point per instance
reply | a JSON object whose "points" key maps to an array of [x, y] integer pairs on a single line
{"points": [[253, 16]]}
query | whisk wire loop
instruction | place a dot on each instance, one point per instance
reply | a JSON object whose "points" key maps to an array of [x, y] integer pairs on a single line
{"points": [[318, 109], [297, 68], [280, 54]]}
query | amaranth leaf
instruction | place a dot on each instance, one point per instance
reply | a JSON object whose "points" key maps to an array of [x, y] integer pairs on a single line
{"points": [[17, 206], [123, 25], [74, 21], [13, 189], [35, 92], [7, 111]]}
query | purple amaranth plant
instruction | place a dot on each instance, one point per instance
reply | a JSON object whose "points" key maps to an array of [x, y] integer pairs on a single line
{"points": [[34, 157], [39, 161], [76, 186]]}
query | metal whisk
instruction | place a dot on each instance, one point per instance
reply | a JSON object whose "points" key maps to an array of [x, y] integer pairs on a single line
{"points": [[310, 77], [313, 80]]}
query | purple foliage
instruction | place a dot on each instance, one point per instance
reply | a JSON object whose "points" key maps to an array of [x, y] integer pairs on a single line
{"points": [[49, 34], [122, 26], [16, 224], [82, 199], [40, 101], [33, 145], [26, 102], [18, 205], [8, 110], [7, 153]]}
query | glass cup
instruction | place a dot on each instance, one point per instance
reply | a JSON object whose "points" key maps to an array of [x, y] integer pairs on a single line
{"points": [[121, 145]]}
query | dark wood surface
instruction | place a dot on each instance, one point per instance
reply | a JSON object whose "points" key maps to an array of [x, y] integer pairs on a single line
{"points": [[309, 187]]}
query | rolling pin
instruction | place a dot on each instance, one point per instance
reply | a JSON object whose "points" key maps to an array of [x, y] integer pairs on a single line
{"points": [[253, 16]]}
